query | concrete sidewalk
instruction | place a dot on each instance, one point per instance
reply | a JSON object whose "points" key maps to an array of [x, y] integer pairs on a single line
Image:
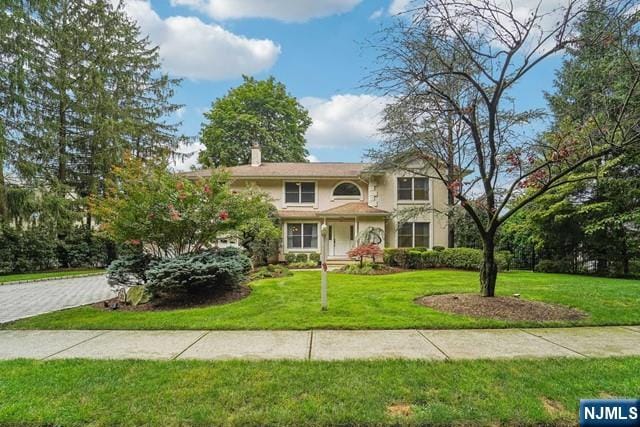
{"points": [[323, 344]]}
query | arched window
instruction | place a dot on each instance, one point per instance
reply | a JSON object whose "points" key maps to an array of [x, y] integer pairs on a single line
{"points": [[346, 189]]}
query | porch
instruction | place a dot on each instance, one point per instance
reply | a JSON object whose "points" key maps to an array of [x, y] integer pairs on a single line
{"points": [[301, 230]]}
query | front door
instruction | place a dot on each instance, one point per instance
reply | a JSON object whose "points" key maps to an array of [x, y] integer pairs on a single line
{"points": [[341, 238]]}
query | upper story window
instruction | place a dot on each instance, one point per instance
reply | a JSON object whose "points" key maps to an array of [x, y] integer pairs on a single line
{"points": [[300, 192], [413, 188], [347, 190]]}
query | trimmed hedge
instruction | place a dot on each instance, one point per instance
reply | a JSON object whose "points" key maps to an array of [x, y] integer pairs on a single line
{"points": [[39, 248], [301, 257], [460, 258]]}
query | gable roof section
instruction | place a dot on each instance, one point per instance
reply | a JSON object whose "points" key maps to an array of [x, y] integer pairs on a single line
{"points": [[291, 170]]}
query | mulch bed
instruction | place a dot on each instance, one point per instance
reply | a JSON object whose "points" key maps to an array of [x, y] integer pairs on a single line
{"points": [[501, 308], [191, 301]]}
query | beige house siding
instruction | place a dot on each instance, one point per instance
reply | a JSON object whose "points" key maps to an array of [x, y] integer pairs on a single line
{"points": [[379, 191], [324, 192], [387, 200]]}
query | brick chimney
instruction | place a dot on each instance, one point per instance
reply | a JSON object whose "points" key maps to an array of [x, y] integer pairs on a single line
{"points": [[256, 155]]}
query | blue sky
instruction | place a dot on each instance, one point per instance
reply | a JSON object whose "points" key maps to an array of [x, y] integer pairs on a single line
{"points": [[315, 47]]}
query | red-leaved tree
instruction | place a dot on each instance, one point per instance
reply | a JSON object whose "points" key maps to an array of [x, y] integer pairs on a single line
{"points": [[370, 250]]}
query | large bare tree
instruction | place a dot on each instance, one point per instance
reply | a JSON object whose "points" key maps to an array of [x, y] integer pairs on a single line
{"points": [[450, 66]]}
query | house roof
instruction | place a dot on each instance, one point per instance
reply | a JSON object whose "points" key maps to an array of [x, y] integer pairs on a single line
{"points": [[354, 208], [348, 209], [291, 170], [288, 213]]}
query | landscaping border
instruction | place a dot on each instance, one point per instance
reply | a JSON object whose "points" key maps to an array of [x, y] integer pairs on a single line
{"points": [[71, 276]]}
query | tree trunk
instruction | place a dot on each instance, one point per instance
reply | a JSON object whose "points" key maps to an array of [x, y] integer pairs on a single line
{"points": [[625, 255], [62, 143], [489, 270], [450, 173], [3, 195]]}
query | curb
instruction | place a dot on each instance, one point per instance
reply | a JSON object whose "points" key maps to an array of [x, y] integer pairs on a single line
{"points": [[73, 276]]}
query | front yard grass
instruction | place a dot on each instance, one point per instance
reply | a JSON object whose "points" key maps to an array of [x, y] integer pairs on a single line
{"points": [[70, 272], [515, 392], [367, 302]]}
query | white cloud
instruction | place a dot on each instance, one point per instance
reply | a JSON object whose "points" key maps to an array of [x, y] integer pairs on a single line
{"points": [[344, 120], [180, 112], [193, 49], [189, 157], [376, 14], [312, 158], [398, 6], [281, 10]]}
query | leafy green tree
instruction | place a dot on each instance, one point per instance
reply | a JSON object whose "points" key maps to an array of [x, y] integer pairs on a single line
{"points": [[257, 111], [169, 215]]}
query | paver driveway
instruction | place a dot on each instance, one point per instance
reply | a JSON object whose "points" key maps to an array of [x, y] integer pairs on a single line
{"points": [[29, 299]]}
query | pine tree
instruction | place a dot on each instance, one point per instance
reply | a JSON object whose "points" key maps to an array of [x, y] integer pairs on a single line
{"points": [[594, 79], [94, 92]]}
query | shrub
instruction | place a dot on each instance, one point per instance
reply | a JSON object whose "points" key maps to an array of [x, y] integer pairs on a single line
{"points": [[290, 257], [554, 266], [504, 260], [302, 258], [315, 257], [129, 270], [634, 267], [366, 268], [199, 272], [144, 201], [460, 258], [303, 264], [395, 257], [438, 248], [431, 259], [371, 250], [81, 248], [271, 270], [413, 259], [27, 250]]}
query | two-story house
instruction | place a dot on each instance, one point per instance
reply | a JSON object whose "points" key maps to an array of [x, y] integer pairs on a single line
{"points": [[348, 197]]}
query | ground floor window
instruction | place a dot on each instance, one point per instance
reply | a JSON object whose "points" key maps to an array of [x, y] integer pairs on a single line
{"points": [[302, 236], [413, 235]]}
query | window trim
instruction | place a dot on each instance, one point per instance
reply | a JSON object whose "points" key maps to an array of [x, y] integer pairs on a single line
{"points": [[413, 234], [299, 203], [413, 189], [358, 197], [301, 249]]}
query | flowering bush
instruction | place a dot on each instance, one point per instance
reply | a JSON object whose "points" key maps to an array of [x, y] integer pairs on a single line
{"points": [[370, 250], [168, 214]]}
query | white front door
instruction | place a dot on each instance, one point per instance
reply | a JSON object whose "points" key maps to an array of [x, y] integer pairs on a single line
{"points": [[341, 238]]}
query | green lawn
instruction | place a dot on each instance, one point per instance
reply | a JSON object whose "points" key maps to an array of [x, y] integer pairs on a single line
{"points": [[374, 302], [48, 274], [516, 392]]}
